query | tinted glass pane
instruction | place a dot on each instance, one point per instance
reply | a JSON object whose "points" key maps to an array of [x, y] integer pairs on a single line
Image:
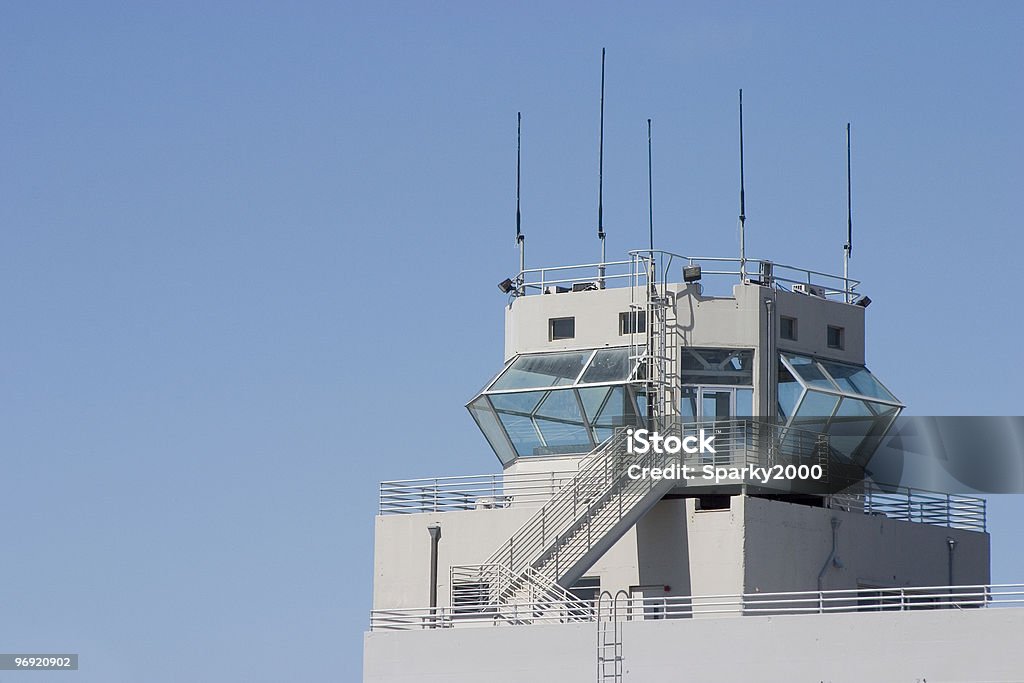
{"points": [[560, 405], [609, 365], [562, 328], [850, 426], [715, 405], [835, 337], [633, 322], [855, 379], [524, 402], [522, 433], [514, 411], [593, 399], [563, 437], [688, 404], [816, 405], [617, 411], [809, 372], [789, 391], [495, 435], [787, 328], [718, 366], [542, 370], [744, 403]]}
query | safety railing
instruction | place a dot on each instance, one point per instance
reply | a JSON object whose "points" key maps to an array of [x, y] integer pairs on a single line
{"points": [[475, 492], [475, 586], [916, 505], [865, 600], [667, 267]]}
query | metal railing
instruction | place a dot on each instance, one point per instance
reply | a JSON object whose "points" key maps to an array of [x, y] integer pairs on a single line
{"points": [[475, 492], [916, 505], [893, 599], [668, 268], [740, 442], [476, 586]]}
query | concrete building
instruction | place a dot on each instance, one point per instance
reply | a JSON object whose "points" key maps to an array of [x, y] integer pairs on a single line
{"points": [[771, 555]]}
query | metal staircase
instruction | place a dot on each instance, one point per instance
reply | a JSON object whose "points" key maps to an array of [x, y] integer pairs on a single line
{"points": [[601, 503], [574, 528]]}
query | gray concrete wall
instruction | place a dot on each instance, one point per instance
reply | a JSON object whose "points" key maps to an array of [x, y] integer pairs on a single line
{"points": [[596, 313], [401, 577], [813, 316], [754, 546], [901, 647], [786, 545]]}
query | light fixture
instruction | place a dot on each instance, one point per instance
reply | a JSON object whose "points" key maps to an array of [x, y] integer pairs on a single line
{"points": [[864, 301], [691, 273], [505, 285]]}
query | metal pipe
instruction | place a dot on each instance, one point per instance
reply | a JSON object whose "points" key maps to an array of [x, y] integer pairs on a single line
{"points": [[435, 538], [771, 390], [951, 544], [832, 555]]}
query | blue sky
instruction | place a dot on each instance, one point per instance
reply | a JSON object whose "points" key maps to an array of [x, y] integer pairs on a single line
{"points": [[249, 252]]}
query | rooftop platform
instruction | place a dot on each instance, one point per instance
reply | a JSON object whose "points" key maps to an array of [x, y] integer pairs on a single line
{"points": [[717, 275]]}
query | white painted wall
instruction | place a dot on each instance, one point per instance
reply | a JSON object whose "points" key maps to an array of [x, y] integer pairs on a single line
{"points": [[756, 545], [901, 647], [786, 545]]}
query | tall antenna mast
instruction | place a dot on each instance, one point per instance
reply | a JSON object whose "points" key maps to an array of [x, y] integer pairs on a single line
{"points": [[743, 206], [650, 196], [600, 179], [520, 238], [848, 247]]}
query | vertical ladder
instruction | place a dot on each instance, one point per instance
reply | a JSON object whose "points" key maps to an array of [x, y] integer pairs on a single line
{"points": [[609, 637], [659, 351]]}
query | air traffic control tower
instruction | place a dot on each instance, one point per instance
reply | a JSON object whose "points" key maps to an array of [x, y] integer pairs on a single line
{"points": [[588, 557]]}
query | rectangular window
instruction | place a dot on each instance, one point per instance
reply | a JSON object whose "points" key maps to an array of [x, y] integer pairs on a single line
{"points": [[633, 322], [836, 337], [717, 366], [561, 328], [787, 328]]}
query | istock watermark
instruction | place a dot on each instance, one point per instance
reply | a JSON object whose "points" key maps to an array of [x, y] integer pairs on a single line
{"points": [[643, 441]]}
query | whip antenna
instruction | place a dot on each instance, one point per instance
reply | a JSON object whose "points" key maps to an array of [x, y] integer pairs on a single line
{"points": [[520, 238], [600, 179], [650, 191], [743, 207], [848, 247]]}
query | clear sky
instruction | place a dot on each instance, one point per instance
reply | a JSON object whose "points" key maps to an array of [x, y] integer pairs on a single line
{"points": [[249, 255]]}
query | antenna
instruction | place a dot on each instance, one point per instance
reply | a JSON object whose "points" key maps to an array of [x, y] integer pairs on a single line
{"points": [[600, 179], [650, 193], [848, 247], [520, 238], [743, 207]]}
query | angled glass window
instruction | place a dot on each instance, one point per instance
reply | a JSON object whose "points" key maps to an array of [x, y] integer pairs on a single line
{"points": [[608, 365], [557, 403], [488, 423], [855, 379], [844, 401], [811, 373], [542, 370], [608, 408], [790, 391]]}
